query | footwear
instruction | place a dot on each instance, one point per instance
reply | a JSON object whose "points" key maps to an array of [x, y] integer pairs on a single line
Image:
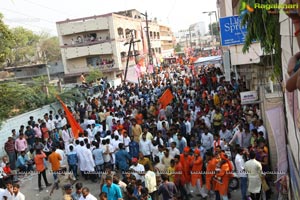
{"points": [[49, 184], [40, 189]]}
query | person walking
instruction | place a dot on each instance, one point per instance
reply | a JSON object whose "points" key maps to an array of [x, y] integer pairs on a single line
{"points": [[240, 168], [254, 170], [40, 167], [167, 189]]}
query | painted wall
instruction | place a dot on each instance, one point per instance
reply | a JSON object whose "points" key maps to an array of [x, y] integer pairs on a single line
{"points": [[16, 122]]}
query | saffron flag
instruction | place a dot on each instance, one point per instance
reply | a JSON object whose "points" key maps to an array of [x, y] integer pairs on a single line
{"points": [[166, 98], [76, 129]]}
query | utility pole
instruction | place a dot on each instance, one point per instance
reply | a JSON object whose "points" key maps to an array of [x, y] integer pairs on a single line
{"points": [[190, 37], [148, 39], [131, 44]]}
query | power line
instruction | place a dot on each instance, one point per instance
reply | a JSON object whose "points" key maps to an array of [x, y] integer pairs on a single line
{"points": [[52, 22], [43, 6]]}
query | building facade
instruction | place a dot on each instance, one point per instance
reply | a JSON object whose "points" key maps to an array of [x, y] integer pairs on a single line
{"points": [[101, 42]]}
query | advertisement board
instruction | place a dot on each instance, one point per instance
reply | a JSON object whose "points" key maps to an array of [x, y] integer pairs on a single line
{"points": [[232, 32]]}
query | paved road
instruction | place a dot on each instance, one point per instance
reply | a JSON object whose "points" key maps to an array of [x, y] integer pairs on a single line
{"points": [[29, 187]]}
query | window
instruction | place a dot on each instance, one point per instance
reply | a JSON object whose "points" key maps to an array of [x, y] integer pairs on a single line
{"points": [[93, 61], [154, 35], [120, 32], [158, 35], [150, 33], [159, 50]]}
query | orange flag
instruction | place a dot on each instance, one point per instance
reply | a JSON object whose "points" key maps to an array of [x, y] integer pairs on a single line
{"points": [[76, 129], [166, 98]]}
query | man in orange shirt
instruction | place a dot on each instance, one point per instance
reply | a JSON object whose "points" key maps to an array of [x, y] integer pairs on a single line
{"points": [[210, 170], [139, 118], [186, 162], [40, 167], [223, 176], [179, 178], [197, 164], [54, 158]]}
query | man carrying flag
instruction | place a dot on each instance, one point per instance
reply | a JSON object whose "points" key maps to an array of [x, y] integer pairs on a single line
{"points": [[76, 129]]}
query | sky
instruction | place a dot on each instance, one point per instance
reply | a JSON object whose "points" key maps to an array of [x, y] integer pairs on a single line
{"points": [[41, 15]]}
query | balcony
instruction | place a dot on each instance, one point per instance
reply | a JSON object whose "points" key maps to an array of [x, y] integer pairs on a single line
{"points": [[168, 38], [87, 50], [83, 26]]}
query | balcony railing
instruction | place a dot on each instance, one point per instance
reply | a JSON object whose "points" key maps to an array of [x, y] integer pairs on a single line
{"points": [[87, 43]]}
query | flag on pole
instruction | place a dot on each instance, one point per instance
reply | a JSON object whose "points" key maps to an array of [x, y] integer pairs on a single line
{"points": [[166, 98], [76, 129]]}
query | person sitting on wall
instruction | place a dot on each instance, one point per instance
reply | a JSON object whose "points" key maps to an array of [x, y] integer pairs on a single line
{"points": [[83, 81]]}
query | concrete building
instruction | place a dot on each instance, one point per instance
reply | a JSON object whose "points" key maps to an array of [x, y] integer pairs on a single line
{"points": [[53, 70], [167, 41], [289, 47], [194, 36], [251, 69], [99, 42]]}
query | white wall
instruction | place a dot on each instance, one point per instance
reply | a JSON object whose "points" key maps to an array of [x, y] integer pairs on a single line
{"points": [[16, 122]]}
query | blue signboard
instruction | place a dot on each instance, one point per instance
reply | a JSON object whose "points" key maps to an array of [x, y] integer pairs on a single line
{"points": [[232, 32]]}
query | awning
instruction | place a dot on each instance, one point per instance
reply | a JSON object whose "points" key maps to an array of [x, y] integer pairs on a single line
{"points": [[207, 60]]}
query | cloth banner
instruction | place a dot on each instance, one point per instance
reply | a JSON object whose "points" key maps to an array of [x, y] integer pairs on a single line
{"points": [[76, 129]]}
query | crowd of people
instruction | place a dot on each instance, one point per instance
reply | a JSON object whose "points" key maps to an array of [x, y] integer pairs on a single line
{"points": [[139, 149]]}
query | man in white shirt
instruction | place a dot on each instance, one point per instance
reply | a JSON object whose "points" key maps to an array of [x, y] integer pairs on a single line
{"points": [[237, 137], [86, 195], [17, 195], [254, 170], [207, 140], [137, 169], [150, 181], [240, 169], [260, 127], [173, 150], [225, 134], [145, 146]]}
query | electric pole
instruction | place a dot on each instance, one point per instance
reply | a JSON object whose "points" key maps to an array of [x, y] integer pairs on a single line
{"points": [[131, 44], [148, 39]]}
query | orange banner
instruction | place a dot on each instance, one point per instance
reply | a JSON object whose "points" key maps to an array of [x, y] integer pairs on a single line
{"points": [[76, 129], [166, 98]]}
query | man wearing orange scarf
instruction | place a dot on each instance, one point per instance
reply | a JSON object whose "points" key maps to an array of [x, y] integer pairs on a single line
{"points": [[197, 164], [223, 175], [186, 162]]}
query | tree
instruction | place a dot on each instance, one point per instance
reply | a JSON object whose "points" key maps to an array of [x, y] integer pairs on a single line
{"points": [[215, 28], [49, 47], [178, 47], [6, 40], [24, 46], [94, 74], [264, 27]]}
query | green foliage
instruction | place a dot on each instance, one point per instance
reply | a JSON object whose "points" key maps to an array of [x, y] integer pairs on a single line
{"points": [[18, 98], [214, 27], [264, 27], [94, 74], [178, 48], [24, 46], [6, 40], [50, 48]]}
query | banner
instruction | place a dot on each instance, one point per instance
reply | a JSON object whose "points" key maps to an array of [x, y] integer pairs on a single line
{"points": [[276, 120], [132, 74], [249, 97], [76, 129], [166, 98], [232, 32]]}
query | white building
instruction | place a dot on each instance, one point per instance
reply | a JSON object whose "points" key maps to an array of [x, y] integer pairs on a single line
{"points": [[99, 42]]}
